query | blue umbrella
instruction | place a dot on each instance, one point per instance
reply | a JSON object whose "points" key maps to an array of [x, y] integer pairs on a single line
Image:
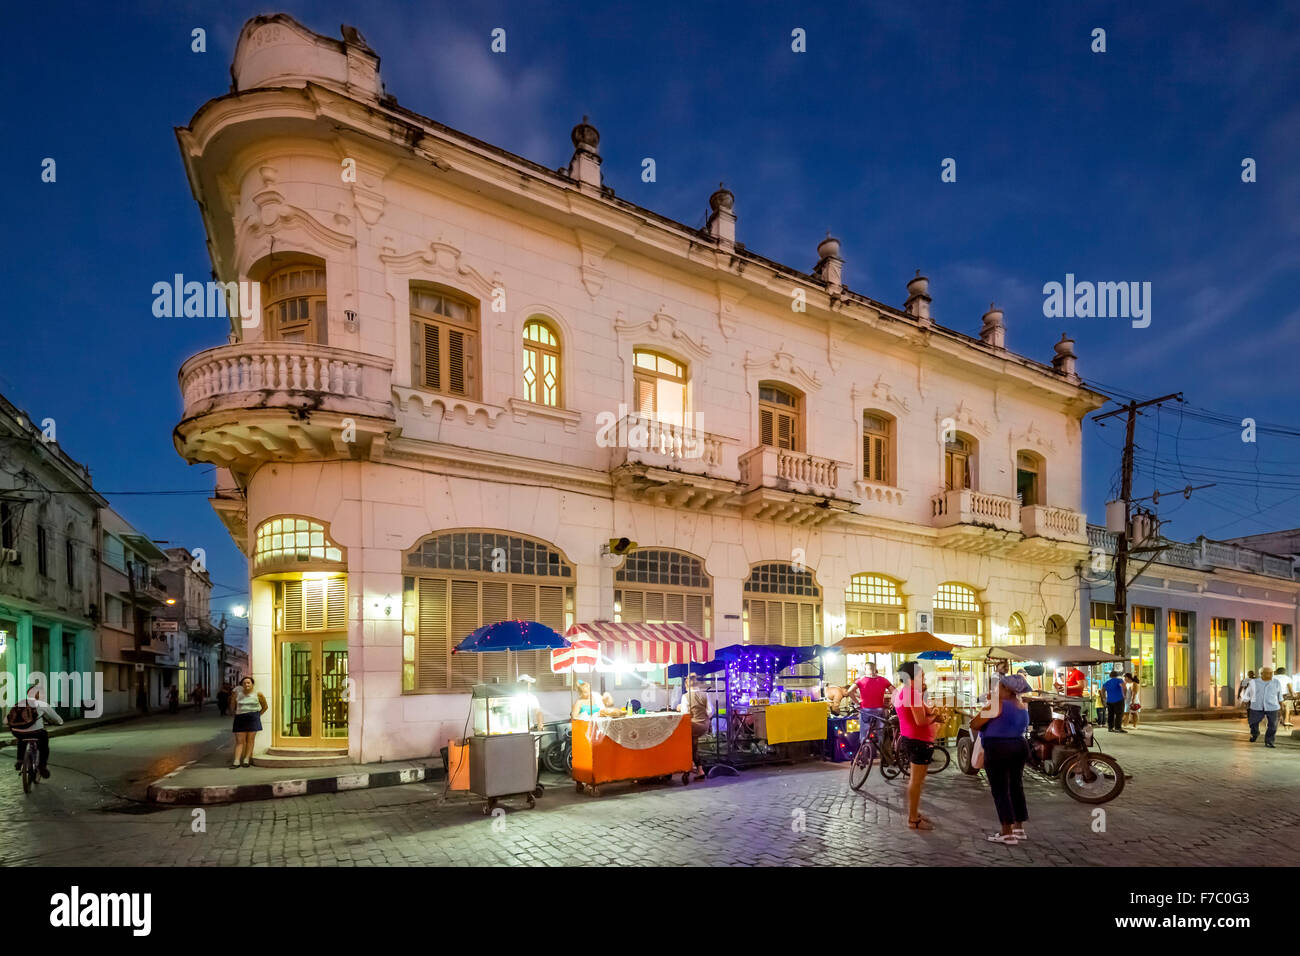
{"points": [[512, 636]]}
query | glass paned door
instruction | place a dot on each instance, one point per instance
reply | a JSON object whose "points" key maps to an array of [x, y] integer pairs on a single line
{"points": [[311, 709], [1222, 685]]}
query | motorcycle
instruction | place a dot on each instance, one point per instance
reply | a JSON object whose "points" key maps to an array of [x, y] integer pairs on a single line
{"points": [[1060, 746]]}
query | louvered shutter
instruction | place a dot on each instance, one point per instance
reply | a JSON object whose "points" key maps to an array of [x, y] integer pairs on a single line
{"points": [[433, 645], [654, 606], [785, 431], [417, 354], [693, 613], [456, 361], [633, 607], [675, 607], [495, 608], [336, 603], [464, 621], [765, 429], [645, 397], [313, 605], [550, 611], [757, 611], [292, 605], [321, 321], [432, 356]]}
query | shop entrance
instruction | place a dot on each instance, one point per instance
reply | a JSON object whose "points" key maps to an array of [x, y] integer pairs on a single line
{"points": [[310, 703]]}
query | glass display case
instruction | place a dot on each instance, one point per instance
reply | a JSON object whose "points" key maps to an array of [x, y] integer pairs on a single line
{"points": [[501, 709]]}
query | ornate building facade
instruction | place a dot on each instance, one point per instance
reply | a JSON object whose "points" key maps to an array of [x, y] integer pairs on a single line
{"points": [[467, 373]]}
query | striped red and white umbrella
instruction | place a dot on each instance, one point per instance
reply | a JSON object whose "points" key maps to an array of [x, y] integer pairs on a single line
{"points": [[642, 643]]}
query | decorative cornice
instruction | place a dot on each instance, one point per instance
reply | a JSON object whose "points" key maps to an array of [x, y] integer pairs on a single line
{"points": [[663, 326], [449, 407], [963, 414], [275, 216], [440, 258], [783, 363], [1032, 436], [881, 392]]}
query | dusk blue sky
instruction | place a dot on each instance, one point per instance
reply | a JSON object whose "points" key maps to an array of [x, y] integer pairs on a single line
{"points": [[1122, 166]]}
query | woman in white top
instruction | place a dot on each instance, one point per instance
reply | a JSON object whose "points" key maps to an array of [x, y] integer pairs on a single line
{"points": [[249, 706]]}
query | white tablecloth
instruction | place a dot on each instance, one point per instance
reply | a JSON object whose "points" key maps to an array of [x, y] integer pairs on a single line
{"points": [[638, 731]]}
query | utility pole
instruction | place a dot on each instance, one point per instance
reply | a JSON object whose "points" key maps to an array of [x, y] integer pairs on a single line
{"points": [[1122, 543], [221, 667]]}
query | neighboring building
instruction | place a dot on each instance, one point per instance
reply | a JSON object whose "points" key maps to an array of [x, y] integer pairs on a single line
{"points": [[472, 371], [236, 664], [134, 659], [1200, 616], [185, 621], [1272, 542], [49, 583]]}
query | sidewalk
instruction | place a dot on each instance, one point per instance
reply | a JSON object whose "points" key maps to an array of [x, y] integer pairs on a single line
{"points": [[210, 779]]}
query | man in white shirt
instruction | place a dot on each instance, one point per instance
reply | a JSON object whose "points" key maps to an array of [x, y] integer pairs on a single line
{"points": [[1263, 697], [27, 722], [1288, 688]]}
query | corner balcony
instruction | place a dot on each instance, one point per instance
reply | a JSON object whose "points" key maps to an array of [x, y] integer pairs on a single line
{"points": [[966, 517], [792, 486], [275, 401], [667, 464]]}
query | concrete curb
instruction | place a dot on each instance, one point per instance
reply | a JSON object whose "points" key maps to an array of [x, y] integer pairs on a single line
{"points": [[162, 793]]}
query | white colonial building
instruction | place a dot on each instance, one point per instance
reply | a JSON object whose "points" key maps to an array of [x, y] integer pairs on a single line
{"points": [[469, 372]]}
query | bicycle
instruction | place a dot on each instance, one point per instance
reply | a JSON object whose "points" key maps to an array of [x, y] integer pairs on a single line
{"points": [[28, 764], [883, 743]]}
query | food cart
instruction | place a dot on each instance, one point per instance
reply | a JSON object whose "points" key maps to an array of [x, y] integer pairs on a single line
{"points": [[946, 687], [632, 746], [503, 748], [770, 706]]}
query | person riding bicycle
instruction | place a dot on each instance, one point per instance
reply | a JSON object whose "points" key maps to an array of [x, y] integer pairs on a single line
{"points": [[26, 720]]}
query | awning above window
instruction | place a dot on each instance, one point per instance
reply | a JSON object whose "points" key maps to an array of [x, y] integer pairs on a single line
{"points": [[642, 643]]}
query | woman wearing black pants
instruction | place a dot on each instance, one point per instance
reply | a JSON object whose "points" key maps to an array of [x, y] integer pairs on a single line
{"points": [[1002, 737]]}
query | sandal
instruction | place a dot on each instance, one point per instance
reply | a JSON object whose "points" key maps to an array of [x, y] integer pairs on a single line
{"points": [[1007, 838], [1018, 833], [920, 823]]}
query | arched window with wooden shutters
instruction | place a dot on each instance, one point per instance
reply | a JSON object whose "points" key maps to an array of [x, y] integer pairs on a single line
{"points": [[294, 303], [661, 586], [958, 615], [783, 605], [659, 382], [541, 371], [455, 582], [780, 417], [878, 447], [873, 605], [444, 342]]}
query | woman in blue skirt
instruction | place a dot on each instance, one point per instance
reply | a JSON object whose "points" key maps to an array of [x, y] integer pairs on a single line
{"points": [[249, 706]]}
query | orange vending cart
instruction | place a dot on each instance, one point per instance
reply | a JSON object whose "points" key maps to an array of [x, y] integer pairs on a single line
{"points": [[636, 747]]}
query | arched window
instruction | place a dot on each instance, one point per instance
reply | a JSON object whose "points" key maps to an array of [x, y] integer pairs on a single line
{"points": [[660, 384], [294, 302], [1030, 476], [656, 586], [454, 582], [444, 342], [780, 417], [1016, 629], [1057, 630], [873, 605], [958, 462], [295, 544], [957, 617], [783, 605], [878, 448], [541, 370]]}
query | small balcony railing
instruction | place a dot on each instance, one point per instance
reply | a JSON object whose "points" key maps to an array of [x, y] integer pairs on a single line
{"points": [[286, 374], [1059, 524], [793, 471], [649, 441], [967, 506]]}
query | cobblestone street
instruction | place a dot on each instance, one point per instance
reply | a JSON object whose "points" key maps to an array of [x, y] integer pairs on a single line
{"points": [[1200, 794]]}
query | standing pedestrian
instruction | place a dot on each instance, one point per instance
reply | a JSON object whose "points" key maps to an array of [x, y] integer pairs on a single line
{"points": [[173, 700], [872, 689], [223, 698], [200, 692], [1116, 691], [1132, 704], [1241, 691], [1002, 727], [249, 706], [916, 721], [1263, 697]]}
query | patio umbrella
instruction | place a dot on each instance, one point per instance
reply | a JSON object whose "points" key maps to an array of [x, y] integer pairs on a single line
{"points": [[911, 643], [511, 636]]}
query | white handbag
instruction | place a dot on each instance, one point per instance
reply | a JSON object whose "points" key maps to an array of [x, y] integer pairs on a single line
{"points": [[977, 751]]}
